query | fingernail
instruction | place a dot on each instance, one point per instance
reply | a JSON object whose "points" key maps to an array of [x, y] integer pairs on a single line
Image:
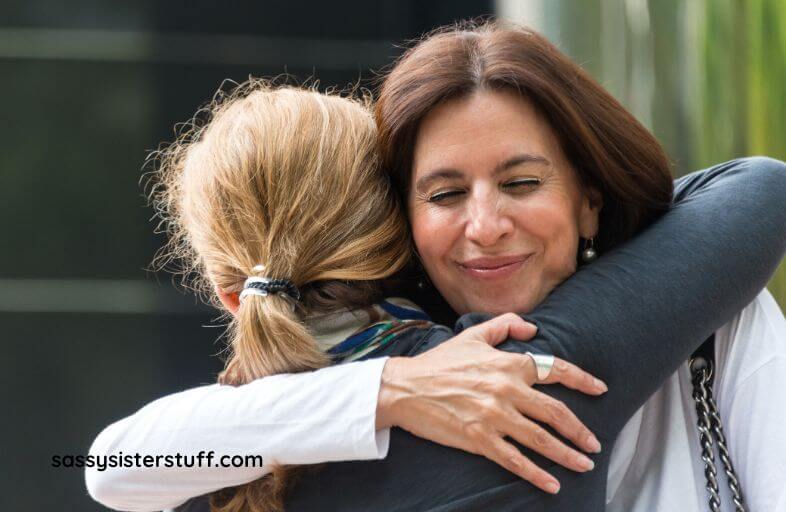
{"points": [[586, 463], [601, 385], [593, 444], [552, 487]]}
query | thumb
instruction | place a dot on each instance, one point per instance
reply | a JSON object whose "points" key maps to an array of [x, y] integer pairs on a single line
{"points": [[502, 327]]}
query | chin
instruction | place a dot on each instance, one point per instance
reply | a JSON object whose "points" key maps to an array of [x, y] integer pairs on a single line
{"points": [[498, 305]]}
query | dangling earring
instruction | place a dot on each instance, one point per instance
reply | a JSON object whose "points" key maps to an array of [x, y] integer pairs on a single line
{"points": [[589, 254], [423, 282]]}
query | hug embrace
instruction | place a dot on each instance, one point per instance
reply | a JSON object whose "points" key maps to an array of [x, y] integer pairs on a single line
{"points": [[479, 292]]}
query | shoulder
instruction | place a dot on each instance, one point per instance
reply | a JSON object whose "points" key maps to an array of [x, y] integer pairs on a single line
{"points": [[752, 340], [762, 319], [750, 398]]}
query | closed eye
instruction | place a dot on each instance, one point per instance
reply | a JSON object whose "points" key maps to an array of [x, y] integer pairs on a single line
{"points": [[521, 183], [441, 197]]}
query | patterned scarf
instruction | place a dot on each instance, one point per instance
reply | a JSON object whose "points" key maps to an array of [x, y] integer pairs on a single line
{"points": [[348, 335]]}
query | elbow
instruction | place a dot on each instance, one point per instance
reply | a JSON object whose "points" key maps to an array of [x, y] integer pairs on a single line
{"points": [[115, 488], [103, 488], [768, 176], [119, 489], [100, 484], [771, 175], [107, 488]]}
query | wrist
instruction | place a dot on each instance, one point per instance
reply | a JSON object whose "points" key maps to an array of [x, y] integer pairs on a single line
{"points": [[389, 392]]}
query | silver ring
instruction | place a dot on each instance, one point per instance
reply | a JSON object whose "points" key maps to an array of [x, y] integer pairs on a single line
{"points": [[543, 364]]}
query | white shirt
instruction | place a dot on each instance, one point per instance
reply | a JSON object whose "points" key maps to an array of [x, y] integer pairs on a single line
{"points": [[329, 415], [308, 418], [656, 465]]}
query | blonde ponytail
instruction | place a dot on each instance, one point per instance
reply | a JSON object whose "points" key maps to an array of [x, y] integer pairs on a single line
{"points": [[268, 338], [287, 178]]}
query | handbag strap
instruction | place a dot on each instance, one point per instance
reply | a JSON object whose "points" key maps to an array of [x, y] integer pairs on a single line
{"points": [[702, 364]]}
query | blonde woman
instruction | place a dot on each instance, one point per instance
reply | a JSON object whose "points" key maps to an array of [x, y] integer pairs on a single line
{"points": [[279, 206]]}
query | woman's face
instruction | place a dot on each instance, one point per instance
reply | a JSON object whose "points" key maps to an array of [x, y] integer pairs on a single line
{"points": [[496, 209]]}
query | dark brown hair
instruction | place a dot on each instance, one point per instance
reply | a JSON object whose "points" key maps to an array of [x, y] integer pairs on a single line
{"points": [[609, 149]]}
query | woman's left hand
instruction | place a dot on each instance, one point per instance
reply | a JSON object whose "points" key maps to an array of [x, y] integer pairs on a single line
{"points": [[466, 394]]}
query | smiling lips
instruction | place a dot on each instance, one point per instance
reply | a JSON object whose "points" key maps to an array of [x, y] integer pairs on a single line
{"points": [[493, 268]]}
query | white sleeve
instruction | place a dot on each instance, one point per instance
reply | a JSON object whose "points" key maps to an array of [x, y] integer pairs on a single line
{"points": [[306, 418], [753, 404]]}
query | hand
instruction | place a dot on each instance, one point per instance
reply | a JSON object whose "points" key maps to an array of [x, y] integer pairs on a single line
{"points": [[468, 395]]}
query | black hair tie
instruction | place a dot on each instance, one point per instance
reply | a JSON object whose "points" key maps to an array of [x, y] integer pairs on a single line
{"points": [[264, 286]]}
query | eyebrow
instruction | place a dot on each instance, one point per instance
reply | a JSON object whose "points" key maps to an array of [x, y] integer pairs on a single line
{"points": [[447, 173]]}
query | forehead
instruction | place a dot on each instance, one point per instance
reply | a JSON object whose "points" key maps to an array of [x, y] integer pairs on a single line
{"points": [[482, 129]]}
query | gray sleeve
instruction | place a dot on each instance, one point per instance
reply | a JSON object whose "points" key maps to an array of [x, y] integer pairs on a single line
{"points": [[632, 316]]}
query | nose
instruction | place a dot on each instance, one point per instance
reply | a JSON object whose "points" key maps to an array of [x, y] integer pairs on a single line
{"points": [[487, 222]]}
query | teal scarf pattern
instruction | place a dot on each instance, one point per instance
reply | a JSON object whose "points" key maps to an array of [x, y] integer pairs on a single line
{"points": [[348, 335]]}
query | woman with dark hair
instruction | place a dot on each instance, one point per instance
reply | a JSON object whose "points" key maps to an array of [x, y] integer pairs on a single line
{"points": [[610, 152], [506, 155], [509, 155]]}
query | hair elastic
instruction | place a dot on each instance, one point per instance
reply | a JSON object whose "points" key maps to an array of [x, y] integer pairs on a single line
{"points": [[264, 286]]}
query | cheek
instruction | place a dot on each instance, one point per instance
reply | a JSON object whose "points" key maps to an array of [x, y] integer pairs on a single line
{"points": [[432, 232], [554, 227]]}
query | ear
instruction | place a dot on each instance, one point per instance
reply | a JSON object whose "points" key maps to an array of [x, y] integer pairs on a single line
{"points": [[231, 301], [589, 216]]}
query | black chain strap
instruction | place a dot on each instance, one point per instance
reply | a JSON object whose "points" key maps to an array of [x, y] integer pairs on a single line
{"points": [[709, 426]]}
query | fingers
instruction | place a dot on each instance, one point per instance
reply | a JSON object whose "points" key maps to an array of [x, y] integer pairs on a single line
{"points": [[573, 377], [539, 440], [502, 327], [539, 406], [507, 456]]}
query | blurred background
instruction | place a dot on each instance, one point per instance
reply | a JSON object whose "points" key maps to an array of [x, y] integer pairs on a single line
{"points": [[89, 335]]}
